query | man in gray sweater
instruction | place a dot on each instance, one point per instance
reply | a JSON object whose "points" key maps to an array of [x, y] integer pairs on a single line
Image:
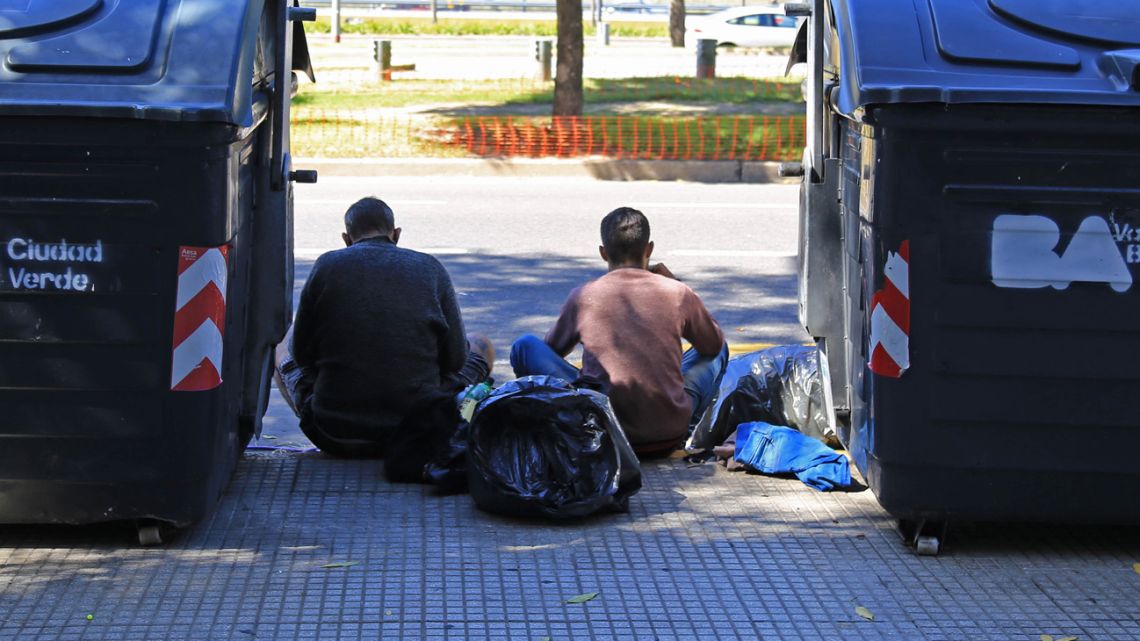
{"points": [[377, 328]]}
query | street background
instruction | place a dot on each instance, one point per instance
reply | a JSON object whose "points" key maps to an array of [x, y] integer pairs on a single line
{"points": [[302, 546], [515, 247]]}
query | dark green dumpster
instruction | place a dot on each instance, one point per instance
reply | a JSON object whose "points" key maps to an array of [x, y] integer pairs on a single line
{"points": [[970, 251], [145, 250]]}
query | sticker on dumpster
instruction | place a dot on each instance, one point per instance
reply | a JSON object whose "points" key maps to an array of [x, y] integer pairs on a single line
{"points": [[890, 317], [1025, 253], [55, 265], [199, 318]]}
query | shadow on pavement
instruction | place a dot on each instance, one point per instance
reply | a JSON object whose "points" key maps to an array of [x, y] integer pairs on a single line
{"points": [[1007, 539], [506, 296]]}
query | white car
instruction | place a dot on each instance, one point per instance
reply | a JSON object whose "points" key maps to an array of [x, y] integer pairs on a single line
{"points": [[757, 26]]}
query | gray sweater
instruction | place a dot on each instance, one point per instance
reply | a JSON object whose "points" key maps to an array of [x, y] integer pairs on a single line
{"points": [[380, 325]]}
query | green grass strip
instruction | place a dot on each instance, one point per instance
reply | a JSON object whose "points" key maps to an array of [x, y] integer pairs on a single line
{"points": [[406, 93]]}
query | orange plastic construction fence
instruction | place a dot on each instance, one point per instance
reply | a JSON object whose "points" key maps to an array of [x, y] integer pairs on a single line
{"points": [[743, 137]]}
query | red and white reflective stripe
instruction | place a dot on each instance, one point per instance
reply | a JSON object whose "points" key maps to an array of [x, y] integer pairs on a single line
{"points": [[890, 317], [199, 318]]}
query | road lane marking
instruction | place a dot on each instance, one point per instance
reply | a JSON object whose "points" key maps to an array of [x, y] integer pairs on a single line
{"points": [[309, 253], [312, 253], [670, 205], [349, 201], [676, 205], [443, 251], [729, 253]]}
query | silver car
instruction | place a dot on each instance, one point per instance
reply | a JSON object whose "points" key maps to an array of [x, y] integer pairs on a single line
{"points": [[765, 26]]}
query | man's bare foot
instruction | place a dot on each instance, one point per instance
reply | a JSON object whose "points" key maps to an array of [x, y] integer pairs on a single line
{"points": [[482, 346]]}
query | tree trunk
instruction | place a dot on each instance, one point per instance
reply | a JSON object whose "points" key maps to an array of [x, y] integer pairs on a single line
{"points": [[677, 22], [568, 78]]}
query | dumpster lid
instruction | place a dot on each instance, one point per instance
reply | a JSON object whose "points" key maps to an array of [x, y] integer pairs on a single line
{"points": [[1112, 21], [23, 16], [120, 41], [185, 60], [987, 51]]}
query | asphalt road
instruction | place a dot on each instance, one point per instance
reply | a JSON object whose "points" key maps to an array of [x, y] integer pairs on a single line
{"points": [[516, 247]]}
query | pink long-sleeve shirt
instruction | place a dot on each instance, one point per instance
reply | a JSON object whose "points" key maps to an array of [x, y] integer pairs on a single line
{"points": [[630, 323]]}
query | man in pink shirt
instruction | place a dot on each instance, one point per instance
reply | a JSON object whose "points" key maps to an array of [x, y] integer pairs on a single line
{"points": [[630, 323]]}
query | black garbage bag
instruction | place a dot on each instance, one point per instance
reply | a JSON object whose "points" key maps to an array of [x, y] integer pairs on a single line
{"points": [[448, 468], [422, 438], [779, 386], [430, 445], [539, 447]]}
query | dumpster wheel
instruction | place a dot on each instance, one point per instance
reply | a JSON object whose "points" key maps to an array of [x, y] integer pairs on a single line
{"points": [[926, 537], [928, 545], [152, 533]]}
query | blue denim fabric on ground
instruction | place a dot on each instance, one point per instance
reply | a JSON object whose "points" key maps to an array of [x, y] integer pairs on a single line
{"points": [[531, 356], [774, 449]]}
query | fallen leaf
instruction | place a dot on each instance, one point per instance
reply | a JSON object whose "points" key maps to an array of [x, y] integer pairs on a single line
{"points": [[341, 564], [582, 598], [864, 612], [1046, 637], [1136, 568], [544, 639], [1070, 638]]}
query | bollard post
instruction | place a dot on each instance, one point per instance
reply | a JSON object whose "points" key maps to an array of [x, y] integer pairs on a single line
{"points": [[543, 54], [382, 56], [603, 34], [336, 20], [706, 58]]}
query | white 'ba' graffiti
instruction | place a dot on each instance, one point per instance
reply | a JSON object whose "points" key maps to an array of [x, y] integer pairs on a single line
{"points": [[1025, 254]]}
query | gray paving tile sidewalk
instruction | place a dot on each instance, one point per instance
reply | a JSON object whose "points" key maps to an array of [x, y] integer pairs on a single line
{"points": [[703, 554]]}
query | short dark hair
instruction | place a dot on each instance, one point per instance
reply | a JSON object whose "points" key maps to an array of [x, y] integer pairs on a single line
{"points": [[625, 234], [368, 216]]}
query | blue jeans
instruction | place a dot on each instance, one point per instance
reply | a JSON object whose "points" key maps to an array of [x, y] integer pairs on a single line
{"points": [[531, 356]]}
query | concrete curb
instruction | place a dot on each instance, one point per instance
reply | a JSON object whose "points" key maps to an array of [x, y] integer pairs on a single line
{"points": [[704, 171]]}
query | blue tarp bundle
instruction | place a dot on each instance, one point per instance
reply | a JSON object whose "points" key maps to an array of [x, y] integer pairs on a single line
{"points": [[774, 449]]}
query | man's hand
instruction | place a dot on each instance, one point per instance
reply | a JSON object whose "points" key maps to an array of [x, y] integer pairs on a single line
{"points": [[661, 270]]}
